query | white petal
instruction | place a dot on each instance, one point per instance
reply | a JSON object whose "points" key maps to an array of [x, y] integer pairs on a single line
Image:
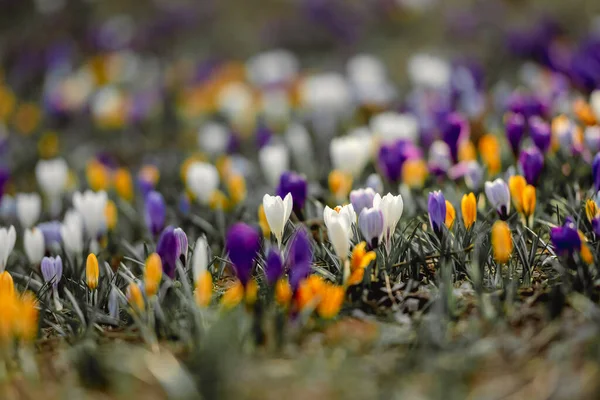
{"points": [[200, 258]]}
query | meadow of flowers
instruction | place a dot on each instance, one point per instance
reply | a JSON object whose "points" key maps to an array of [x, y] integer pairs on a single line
{"points": [[188, 227]]}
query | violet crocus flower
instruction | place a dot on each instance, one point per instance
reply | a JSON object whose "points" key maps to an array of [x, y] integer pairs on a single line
{"points": [[370, 222], [456, 129], [596, 225], [596, 172], [498, 194], [273, 266], [51, 232], [299, 259], [294, 183], [155, 212], [392, 156], [532, 162], [436, 206], [263, 135], [565, 239], [168, 249], [182, 241], [540, 133], [374, 182], [515, 129], [4, 177], [145, 185], [52, 270], [362, 198], [243, 244]]}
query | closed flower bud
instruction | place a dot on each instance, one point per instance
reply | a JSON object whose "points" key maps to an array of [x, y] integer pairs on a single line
{"points": [[392, 208], [565, 239], [436, 206], [168, 248], [362, 198], [468, 208], [531, 161], [29, 207], [291, 182], [7, 285], [498, 195], [52, 270], [591, 210], [111, 214], [7, 239], [92, 272], [155, 212], [91, 206], [340, 184], [540, 133], [202, 179], [371, 225], [27, 326], [123, 184], [274, 161], [204, 286], [596, 172], [243, 244], [98, 176], [515, 129], [33, 242], [152, 274], [135, 297], [517, 185], [489, 149], [502, 243], [528, 200], [277, 212], [450, 215]]}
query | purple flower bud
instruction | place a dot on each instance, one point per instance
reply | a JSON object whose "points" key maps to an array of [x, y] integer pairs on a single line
{"points": [[274, 266], [52, 270], [291, 182], [4, 177], [243, 244], [515, 128], [145, 185], [596, 172], [155, 212], [168, 249], [51, 232], [436, 205], [596, 225], [370, 222], [182, 240], [392, 156], [532, 162], [454, 131], [362, 198], [565, 239], [374, 182], [540, 133], [498, 194], [299, 258]]}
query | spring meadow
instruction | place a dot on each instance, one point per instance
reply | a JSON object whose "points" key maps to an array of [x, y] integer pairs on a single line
{"points": [[326, 199]]}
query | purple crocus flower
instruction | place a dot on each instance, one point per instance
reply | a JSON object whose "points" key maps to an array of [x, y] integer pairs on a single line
{"points": [[436, 206], [374, 182], [565, 239], [51, 232], [4, 177], [52, 270], [498, 194], [455, 129], [532, 162], [299, 258], [263, 135], [274, 266], [440, 159], [515, 128], [167, 248], [596, 225], [155, 212], [184, 204], [362, 198], [540, 133], [243, 244], [596, 171], [182, 240], [291, 182], [370, 222], [392, 156]]}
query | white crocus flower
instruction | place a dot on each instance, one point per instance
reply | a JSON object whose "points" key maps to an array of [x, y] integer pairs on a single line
{"points": [[369, 80], [274, 161], [29, 207], [339, 232], [429, 71], [347, 212], [391, 126], [272, 67], [52, 177], [326, 92], [33, 242], [72, 232], [7, 244], [277, 211], [91, 206], [351, 153], [202, 179], [300, 144], [235, 101], [213, 138], [392, 207], [200, 258]]}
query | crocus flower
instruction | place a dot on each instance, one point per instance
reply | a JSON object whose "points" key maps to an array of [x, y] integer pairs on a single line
{"points": [[362, 198], [274, 160], [350, 153], [153, 271], [515, 129], [361, 258], [291, 182], [168, 250], [374, 182], [517, 184], [182, 249], [273, 266], [591, 137], [155, 212], [299, 258], [540, 133], [71, 232], [502, 243], [370, 222], [113, 303], [277, 212], [202, 179], [532, 162], [440, 158], [392, 208], [33, 242], [52, 270], [591, 209], [52, 178], [92, 271], [340, 184], [346, 212], [147, 179], [456, 129], [565, 239], [528, 200], [450, 215], [29, 207], [596, 172], [7, 243], [498, 195], [468, 208], [392, 156], [243, 244], [52, 233], [91, 206], [436, 206], [202, 276], [4, 177], [473, 175], [391, 127], [339, 232]]}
